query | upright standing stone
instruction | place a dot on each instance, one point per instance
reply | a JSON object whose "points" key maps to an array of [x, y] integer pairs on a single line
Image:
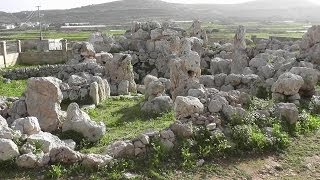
{"points": [[184, 74], [240, 58], [94, 93], [43, 98], [119, 69]]}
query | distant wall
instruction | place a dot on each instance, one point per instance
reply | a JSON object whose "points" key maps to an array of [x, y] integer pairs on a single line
{"points": [[284, 38], [41, 45], [12, 59], [40, 58]]}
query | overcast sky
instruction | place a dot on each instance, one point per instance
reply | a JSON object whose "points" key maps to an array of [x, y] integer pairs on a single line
{"points": [[21, 5]]}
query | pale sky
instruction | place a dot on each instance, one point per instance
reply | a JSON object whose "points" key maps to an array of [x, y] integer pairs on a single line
{"points": [[22, 5]]}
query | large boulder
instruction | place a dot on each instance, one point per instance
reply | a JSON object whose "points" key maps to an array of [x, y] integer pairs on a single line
{"points": [[101, 42], [310, 45], [31, 160], [187, 106], [310, 77], [8, 149], [64, 154], [45, 140], [219, 65], [288, 84], [231, 112], [75, 80], [119, 69], [6, 132], [288, 112], [182, 130], [79, 121], [217, 103], [87, 50], [29, 125], [154, 89], [185, 73], [43, 98], [120, 149], [158, 105], [17, 110], [96, 160]]}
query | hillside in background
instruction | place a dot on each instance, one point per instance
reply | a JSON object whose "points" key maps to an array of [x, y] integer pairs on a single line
{"points": [[126, 11]]}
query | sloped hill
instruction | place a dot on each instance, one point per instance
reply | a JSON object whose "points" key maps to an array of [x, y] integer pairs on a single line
{"points": [[126, 11]]}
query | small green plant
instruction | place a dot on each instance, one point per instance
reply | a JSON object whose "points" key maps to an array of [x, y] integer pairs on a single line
{"points": [[241, 136], [38, 147], [258, 140], [188, 158], [281, 138], [55, 171], [307, 124], [158, 155]]}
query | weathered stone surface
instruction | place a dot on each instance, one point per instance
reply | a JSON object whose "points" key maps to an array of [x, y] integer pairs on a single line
{"points": [[101, 42], [103, 88], [211, 126], [154, 89], [219, 65], [123, 87], [77, 120], [87, 50], [185, 74], [314, 105], [240, 59], [288, 112], [8, 149], [29, 125], [8, 133], [158, 105], [198, 32], [219, 79], [43, 98], [76, 80], [288, 84], [94, 93], [207, 81], [310, 45], [96, 160], [120, 149], [18, 110], [231, 112], [65, 155], [31, 160], [3, 122], [233, 79], [118, 69], [216, 104], [46, 140], [187, 106], [182, 130], [310, 77]]}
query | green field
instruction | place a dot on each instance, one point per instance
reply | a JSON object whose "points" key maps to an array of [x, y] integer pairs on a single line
{"points": [[71, 36], [225, 31]]}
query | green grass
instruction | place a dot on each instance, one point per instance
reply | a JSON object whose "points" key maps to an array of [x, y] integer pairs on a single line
{"points": [[226, 31], [125, 120], [71, 36], [13, 89]]}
